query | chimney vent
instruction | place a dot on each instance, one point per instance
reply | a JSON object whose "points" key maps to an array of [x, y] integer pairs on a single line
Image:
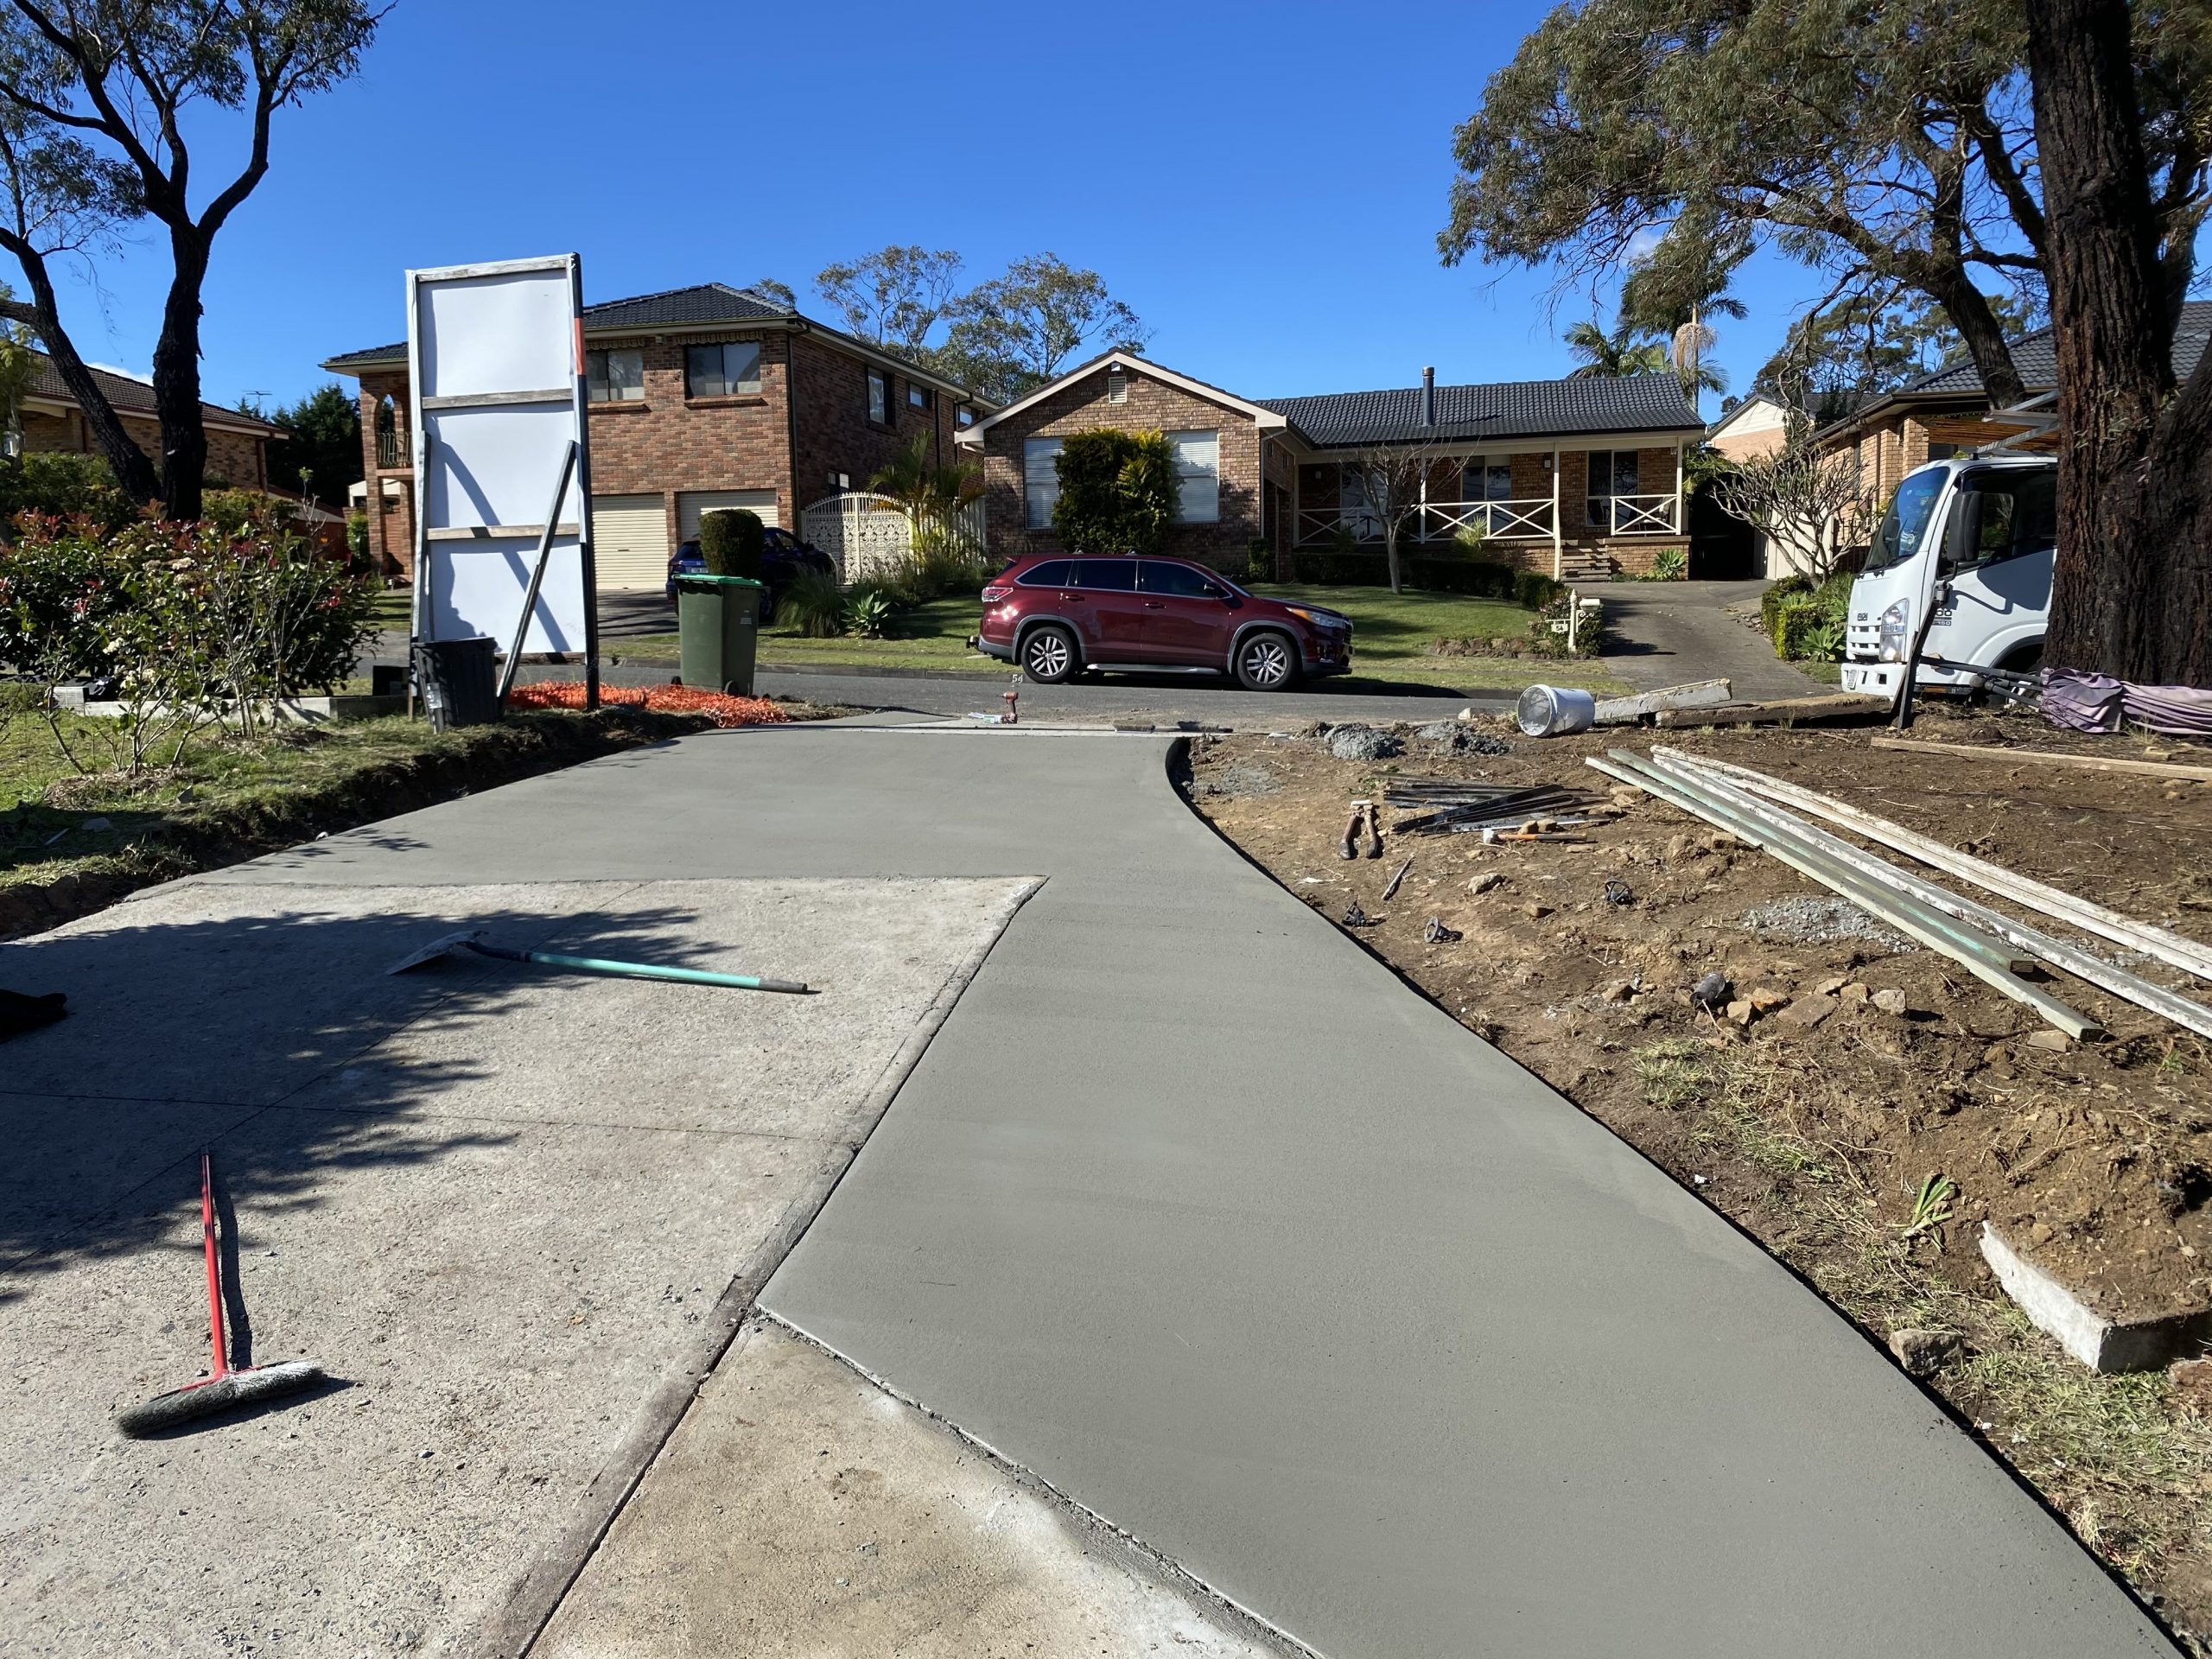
{"points": [[1428, 397]]}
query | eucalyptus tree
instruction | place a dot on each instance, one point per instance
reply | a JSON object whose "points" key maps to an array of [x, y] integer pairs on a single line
{"points": [[102, 103]]}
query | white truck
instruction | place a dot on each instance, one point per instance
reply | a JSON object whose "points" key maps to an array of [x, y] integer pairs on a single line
{"points": [[1974, 538]]}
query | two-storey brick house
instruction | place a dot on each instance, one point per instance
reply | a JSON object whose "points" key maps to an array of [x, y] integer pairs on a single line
{"points": [[1581, 478], [699, 398]]}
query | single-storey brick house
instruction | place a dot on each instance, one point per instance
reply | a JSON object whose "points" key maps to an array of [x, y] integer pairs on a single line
{"points": [[51, 419], [699, 397], [1947, 411], [1581, 478]]}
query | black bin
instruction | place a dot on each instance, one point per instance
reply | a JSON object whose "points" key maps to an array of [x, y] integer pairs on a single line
{"points": [[460, 681]]}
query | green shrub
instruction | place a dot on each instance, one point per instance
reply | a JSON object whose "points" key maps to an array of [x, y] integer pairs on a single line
{"points": [[869, 613], [64, 486], [1259, 560], [731, 542], [356, 537], [1118, 491], [812, 605], [1780, 594], [1668, 564]]}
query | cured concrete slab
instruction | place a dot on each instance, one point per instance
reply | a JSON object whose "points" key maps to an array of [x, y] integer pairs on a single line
{"points": [[504, 1226], [800, 1512], [1195, 1212]]}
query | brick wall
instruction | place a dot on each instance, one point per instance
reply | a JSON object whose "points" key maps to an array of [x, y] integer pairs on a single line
{"points": [[835, 436], [235, 460], [668, 441], [1151, 405], [391, 511]]}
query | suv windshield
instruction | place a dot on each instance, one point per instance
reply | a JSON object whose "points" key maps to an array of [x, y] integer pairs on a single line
{"points": [[1906, 522]]}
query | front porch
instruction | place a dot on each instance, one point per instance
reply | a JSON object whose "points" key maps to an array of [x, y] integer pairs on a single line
{"points": [[1576, 513]]}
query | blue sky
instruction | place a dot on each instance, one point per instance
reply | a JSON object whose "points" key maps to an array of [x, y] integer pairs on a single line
{"points": [[1263, 183]]}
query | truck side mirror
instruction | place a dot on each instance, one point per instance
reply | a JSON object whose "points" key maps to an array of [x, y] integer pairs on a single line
{"points": [[1962, 530]]}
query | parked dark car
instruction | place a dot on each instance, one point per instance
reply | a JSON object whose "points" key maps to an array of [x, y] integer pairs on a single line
{"points": [[1058, 616], [783, 557]]}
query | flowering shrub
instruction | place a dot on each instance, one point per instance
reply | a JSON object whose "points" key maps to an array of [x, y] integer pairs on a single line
{"points": [[196, 623]]}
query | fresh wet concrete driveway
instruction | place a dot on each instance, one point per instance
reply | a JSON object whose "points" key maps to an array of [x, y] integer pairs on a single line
{"points": [[1195, 1212]]}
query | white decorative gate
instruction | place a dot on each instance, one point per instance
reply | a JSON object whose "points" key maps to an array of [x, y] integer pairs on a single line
{"points": [[868, 535]]}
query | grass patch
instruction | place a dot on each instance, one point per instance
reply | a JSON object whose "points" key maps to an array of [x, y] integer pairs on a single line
{"points": [[71, 841], [394, 610], [2131, 1471], [1826, 673]]}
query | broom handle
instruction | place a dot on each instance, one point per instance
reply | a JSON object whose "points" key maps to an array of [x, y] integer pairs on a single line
{"points": [[214, 1273]]}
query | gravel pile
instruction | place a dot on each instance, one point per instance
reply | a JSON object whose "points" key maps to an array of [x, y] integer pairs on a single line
{"points": [[1811, 921], [1240, 779], [1456, 739], [1362, 743]]}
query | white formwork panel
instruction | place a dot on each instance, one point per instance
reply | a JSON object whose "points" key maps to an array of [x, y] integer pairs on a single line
{"points": [[494, 352]]}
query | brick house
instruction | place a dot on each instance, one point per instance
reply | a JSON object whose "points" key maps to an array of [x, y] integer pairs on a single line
{"points": [[1945, 412], [1581, 478], [51, 420], [699, 397]]}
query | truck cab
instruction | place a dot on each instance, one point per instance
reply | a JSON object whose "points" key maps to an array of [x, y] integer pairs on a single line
{"points": [[1976, 537]]}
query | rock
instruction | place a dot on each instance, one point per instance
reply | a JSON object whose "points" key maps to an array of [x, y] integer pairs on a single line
{"points": [[1996, 1054], [2041, 1233], [1767, 999], [1486, 881], [1831, 985], [1362, 743], [1624, 798], [2050, 1040], [1853, 995], [1808, 1012], [1891, 1000], [1740, 1011], [1923, 1353], [1711, 990], [93, 826], [1620, 990], [1684, 847], [1536, 913]]}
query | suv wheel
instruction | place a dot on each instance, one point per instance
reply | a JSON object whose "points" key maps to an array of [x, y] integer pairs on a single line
{"points": [[1266, 662], [1048, 655]]}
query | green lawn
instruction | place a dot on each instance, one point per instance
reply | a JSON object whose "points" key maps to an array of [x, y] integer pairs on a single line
{"points": [[1393, 631]]}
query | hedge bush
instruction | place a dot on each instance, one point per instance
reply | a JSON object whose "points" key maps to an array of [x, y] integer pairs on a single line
{"points": [[733, 543], [1804, 621], [1118, 491], [58, 486]]}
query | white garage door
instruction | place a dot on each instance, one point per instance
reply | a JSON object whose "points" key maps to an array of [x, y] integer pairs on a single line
{"points": [[629, 537], [692, 502]]}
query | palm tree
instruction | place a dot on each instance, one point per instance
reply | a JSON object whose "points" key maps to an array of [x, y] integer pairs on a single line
{"points": [[1614, 357], [930, 495]]}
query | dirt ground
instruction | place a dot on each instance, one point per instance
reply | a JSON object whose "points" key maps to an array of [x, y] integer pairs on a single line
{"points": [[1821, 1137]]}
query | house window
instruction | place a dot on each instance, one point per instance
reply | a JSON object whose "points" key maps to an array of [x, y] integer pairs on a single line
{"points": [[1197, 474], [614, 377], [918, 397], [1486, 478], [879, 396], [1612, 472], [963, 416], [1040, 481], [725, 370]]}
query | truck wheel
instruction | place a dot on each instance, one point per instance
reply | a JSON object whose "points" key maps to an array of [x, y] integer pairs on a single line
{"points": [[1266, 662], [2023, 659], [1049, 655]]}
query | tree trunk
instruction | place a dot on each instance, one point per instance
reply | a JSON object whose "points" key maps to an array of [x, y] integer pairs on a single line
{"points": [[2133, 586], [176, 380], [132, 470]]}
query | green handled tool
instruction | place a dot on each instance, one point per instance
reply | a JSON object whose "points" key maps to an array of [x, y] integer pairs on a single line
{"points": [[473, 940]]}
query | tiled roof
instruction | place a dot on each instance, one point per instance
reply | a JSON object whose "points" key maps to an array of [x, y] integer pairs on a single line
{"points": [[1511, 409], [122, 391], [2037, 360], [706, 303]]}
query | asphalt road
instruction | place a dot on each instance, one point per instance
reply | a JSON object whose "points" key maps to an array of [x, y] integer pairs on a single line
{"points": [[1195, 1211]]}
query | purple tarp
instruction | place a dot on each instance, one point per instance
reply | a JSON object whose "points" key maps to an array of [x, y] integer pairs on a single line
{"points": [[2095, 702]]}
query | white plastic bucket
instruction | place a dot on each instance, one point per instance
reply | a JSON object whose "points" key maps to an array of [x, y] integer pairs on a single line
{"points": [[1556, 710]]}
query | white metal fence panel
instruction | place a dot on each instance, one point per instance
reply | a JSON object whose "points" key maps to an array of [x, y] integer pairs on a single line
{"points": [[868, 535]]}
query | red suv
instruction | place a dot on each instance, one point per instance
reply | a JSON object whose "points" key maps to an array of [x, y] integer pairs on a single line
{"points": [[1058, 616]]}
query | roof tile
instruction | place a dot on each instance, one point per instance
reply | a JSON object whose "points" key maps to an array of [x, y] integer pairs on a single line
{"points": [[1511, 409]]}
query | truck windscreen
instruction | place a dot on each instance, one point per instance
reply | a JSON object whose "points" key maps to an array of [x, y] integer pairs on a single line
{"points": [[1905, 523]]}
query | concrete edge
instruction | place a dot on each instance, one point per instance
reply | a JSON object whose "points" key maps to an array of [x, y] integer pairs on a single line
{"points": [[1114, 1542], [2088, 1336], [513, 1629]]}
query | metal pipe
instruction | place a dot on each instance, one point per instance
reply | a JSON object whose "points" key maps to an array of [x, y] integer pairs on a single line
{"points": [[1974, 951], [2103, 975], [2172, 948]]}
